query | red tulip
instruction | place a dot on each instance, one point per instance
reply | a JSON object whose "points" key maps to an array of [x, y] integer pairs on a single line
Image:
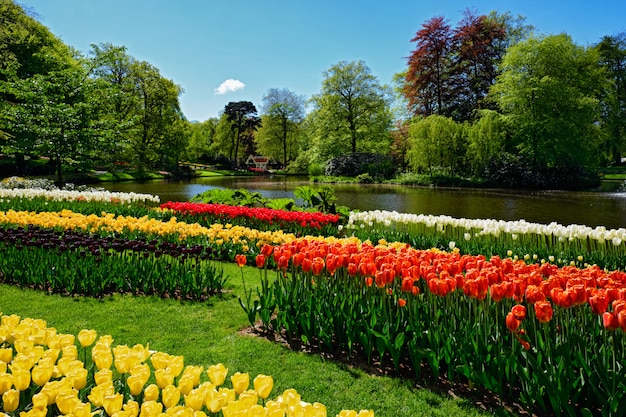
{"points": [[519, 312], [240, 260], [401, 302], [512, 323], [543, 311], [260, 261], [599, 302], [609, 320]]}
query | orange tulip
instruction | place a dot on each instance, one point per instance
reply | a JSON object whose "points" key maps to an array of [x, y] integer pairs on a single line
{"points": [[401, 302], [240, 260], [512, 323], [519, 312], [543, 311], [260, 260]]}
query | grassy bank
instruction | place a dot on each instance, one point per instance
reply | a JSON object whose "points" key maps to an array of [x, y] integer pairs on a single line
{"points": [[209, 333]]}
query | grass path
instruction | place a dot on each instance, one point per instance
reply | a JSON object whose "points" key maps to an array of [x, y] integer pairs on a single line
{"points": [[208, 333]]}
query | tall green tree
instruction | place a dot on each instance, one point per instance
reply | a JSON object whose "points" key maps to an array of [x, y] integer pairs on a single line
{"points": [[117, 95], [242, 116], [352, 112], [486, 139], [549, 89], [158, 113], [201, 139], [612, 51], [283, 112]]}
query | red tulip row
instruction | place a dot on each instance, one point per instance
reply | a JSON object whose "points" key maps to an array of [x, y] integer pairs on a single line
{"points": [[303, 219], [540, 285]]}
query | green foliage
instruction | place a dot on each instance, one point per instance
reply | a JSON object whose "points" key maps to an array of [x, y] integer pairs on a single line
{"points": [[436, 142], [486, 139], [549, 90], [240, 197], [352, 112]]}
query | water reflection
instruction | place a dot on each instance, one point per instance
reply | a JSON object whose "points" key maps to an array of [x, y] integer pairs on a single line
{"points": [[565, 207]]}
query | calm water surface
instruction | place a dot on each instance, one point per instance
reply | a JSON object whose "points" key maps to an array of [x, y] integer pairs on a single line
{"points": [[564, 207]]}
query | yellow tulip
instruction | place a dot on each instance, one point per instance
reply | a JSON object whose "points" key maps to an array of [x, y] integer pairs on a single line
{"points": [[164, 377], [103, 376], [113, 403], [249, 397], [102, 358], [151, 408], [78, 378], [217, 374], [6, 382], [11, 400], [199, 414], [135, 383], [274, 409], [51, 355], [151, 393], [316, 410], [263, 385], [240, 382], [176, 364], [160, 360], [6, 355], [67, 365], [87, 337], [82, 410], [11, 321], [132, 408], [3, 367], [193, 372], [70, 351], [21, 379], [290, 397], [347, 413], [42, 373], [35, 412], [40, 400], [67, 401], [365, 413], [195, 399], [97, 394], [170, 396], [186, 383], [215, 400]]}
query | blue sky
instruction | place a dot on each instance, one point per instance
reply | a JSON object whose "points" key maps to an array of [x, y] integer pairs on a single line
{"points": [[250, 46]]}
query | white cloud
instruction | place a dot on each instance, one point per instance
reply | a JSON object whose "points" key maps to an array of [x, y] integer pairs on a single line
{"points": [[229, 86]]}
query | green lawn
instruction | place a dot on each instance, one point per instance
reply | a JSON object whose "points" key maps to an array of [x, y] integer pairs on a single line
{"points": [[207, 333]]}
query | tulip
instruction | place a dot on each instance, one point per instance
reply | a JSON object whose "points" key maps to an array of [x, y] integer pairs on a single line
{"points": [[511, 322], [6, 355], [70, 352], [113, 403], [151, 408], [40, 400], [249, 397], [170, 396], [164, 377], [99, 392], [21, 379], [6, 382], [42, 373], [240, 260], [87, 337], [132, 408], [217, 374], [519, 312], [103, 376], [67, 402], [215, 400], [263, 385], [136, 383], [260, 260], [102, 358], [543, 311], [82, 409], [151, 393], [195, 399], [11, 400], [240, 382]]}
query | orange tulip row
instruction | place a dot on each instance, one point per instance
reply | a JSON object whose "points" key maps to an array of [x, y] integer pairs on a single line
{"points": [[542, 285]]}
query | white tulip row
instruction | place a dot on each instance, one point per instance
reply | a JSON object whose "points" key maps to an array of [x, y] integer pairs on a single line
{"points": [[67, 195], [484, 227]]}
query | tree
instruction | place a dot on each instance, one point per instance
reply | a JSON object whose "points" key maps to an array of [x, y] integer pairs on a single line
{"points": [[118, 97], [242, 116], [549, 89], [201, 139], [486, 139], [428, 88], [436, 142], [283, 111], [158, 110], [351, 112], [476, 62], [612, 51], [53, 117]]}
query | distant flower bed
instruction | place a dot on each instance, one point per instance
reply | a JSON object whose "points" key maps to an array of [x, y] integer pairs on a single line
{"points": [[69, 195]]}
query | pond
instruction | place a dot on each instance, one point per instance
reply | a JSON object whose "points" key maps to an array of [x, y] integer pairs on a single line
{"points": [[592, 208]]}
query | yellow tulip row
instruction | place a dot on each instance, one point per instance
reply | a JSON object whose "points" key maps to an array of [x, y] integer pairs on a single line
{"points": [[217, 233], [36, 359]]}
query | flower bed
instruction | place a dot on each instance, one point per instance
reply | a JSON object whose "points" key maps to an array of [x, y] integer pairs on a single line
{"points": [[464, 316], [43, 372], [300, 222]]}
